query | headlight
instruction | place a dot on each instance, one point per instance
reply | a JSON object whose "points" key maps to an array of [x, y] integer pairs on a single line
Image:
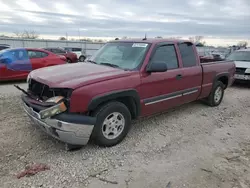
{"points": [[53, 110], [247, 71]]}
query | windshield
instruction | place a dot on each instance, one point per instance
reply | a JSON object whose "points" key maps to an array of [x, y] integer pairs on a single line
{"points": [[3, 51], [239, 56], [124, 55]]}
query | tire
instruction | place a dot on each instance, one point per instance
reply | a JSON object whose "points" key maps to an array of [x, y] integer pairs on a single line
{"points": [[82, 58], [69, 60], [214, 99], [119, 112]]}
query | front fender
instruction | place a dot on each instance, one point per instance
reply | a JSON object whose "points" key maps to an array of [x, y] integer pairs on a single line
{"points": [[97, 100], [88, 97]]}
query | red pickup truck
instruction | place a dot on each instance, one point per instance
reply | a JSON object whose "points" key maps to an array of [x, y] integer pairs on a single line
{"points": [[124, 80]]}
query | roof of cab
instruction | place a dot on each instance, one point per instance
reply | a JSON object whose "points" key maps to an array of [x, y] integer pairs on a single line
{"points": [[151, 40]]}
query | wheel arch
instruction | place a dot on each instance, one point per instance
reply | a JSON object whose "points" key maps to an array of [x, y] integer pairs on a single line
{"points": [[223, 77], [128, 97]]}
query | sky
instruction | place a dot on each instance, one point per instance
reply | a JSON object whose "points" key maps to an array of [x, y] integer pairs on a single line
{"points": [[219, 21]]}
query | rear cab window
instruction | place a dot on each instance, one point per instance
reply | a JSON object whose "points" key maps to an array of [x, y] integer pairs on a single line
{"points": [[187, 54]]}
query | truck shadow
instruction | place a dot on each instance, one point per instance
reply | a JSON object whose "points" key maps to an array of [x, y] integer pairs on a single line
{"points": [[139, 127], [240, 84]]}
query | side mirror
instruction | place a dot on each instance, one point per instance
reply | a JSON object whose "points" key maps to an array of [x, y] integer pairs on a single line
{"points": [[157, 67]]}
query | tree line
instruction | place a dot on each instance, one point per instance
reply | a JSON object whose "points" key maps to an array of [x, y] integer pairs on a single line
{"points": [[31, 34]]}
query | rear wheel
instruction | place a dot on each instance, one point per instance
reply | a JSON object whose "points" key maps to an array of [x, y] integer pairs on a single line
{"points": [[216, 95], [82, 58], [113, 124]]}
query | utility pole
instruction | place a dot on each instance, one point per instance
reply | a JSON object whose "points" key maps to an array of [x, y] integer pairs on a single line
{"points": [[79, 35]]}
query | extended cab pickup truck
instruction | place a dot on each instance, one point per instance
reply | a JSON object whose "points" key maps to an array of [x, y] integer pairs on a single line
{"points": [[124, 80]]}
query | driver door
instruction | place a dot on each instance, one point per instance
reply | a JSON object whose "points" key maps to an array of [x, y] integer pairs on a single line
{"points": [[161, 90]]}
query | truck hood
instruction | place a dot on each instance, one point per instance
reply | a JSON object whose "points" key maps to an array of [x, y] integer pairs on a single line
{"points": [[75, 75], [242, 64]]}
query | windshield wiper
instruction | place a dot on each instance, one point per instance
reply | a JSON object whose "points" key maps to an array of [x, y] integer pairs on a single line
{"points": [[111, 65], [91, 61]]}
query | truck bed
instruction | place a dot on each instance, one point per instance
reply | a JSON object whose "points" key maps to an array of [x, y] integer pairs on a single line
{"points": [[211, 70], [208, 60]]}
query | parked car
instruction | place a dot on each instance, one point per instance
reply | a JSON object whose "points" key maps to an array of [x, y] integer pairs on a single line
{"points": [[242, 62], [4, 46], [16, 64], [81, 56], [70, 56], [218, 55], [124, 80]]}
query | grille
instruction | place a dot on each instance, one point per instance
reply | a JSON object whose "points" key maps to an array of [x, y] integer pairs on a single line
{"points": [[44, 92], [39, 89], [240, 70]]}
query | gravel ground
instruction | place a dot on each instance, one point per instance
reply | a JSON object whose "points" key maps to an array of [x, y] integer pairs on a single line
{"points": [[192, 146]]}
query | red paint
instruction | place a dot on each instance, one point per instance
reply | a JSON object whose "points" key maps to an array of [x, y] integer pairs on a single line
{"points": [[50, 60], [91, 80]]}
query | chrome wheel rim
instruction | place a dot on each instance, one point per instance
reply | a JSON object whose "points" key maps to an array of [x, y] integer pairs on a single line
{"points": [[113, 125], [217, 94]]}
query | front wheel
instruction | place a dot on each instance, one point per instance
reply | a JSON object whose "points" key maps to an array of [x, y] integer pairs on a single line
{"points": [[216, 95], [113, 124]]}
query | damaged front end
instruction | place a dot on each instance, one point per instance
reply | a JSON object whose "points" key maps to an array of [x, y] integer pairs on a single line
{"points": [[57, 98], [49, 109]]}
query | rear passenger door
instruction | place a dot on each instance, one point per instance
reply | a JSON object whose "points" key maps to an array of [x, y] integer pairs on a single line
{"points": [[191, 72], [38, 59]]}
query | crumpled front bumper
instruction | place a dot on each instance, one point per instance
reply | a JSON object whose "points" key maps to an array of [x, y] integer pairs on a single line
{"points": [[69, 128]]}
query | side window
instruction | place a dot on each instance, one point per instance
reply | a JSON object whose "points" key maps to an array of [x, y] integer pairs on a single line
{"points": [[166, 54], [68, 49], [20, 54], [44, 54], [54, 50], [36, 54], [57, 51], [187, 54], [76, 49], [60, 51], [32, 54]]}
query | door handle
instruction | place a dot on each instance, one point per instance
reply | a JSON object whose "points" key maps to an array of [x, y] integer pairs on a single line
{"points": [[178, 76]]}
